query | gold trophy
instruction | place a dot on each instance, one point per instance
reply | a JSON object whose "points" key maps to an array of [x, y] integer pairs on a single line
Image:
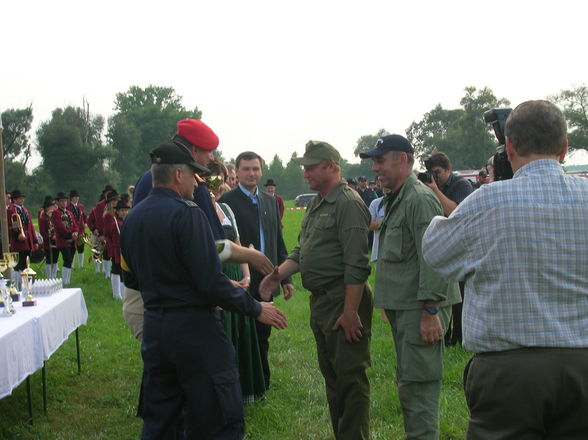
{"points": [[28, 278], [11, 259]]}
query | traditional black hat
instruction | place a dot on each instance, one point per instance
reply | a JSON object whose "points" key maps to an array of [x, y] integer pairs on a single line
{"points": [[112, 195], [121, 204], [16, 194], [61, 195], [270, 182], [48, 202], [73, 193]]}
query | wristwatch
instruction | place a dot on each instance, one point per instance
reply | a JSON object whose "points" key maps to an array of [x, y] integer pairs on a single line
{"points": [[431, 309]]}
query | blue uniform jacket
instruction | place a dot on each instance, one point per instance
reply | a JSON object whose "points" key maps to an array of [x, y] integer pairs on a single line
{"points": [[170, 251], [201, 198]]}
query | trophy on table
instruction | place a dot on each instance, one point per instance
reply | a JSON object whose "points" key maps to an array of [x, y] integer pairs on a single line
{"points": [[5, 300], [11, 259], [28, 278]]}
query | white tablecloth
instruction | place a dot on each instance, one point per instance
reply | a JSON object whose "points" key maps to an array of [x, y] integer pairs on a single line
{"points": [[32, 335]]}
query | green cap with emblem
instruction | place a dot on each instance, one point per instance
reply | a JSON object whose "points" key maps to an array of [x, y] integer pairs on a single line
{"points": [[317, 151]]}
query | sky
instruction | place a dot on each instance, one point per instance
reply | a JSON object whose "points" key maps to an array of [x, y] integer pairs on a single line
{"points": [[270, 75]]}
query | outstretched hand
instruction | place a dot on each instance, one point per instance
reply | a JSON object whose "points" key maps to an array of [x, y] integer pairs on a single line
{"points": [[259, 261], [270, 283], [273, 316]]}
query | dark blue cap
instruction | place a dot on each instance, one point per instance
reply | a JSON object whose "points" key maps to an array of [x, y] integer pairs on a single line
{"points": [[392, 142]]}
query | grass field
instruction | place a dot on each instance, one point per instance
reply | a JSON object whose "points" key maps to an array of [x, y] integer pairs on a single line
{"points": [[102, 401]]}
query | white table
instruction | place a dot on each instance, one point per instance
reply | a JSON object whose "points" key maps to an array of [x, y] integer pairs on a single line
{"points": [[32, 335]]}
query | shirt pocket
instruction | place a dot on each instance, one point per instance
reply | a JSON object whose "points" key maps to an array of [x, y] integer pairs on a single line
{"points": [[393, 246], [324, 222]]}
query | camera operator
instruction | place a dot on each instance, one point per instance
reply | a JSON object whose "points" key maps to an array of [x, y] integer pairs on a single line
{"points": [[451, 190], [525, 311]]}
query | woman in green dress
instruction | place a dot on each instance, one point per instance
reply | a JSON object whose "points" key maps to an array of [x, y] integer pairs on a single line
{"points": [[240, 328]]}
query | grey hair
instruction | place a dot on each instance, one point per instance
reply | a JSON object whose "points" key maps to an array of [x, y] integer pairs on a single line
{"points": [[162, 174]]}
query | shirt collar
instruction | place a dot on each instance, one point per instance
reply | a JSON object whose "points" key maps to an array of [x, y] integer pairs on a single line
{"points": [[539, 166], [247, 192]]}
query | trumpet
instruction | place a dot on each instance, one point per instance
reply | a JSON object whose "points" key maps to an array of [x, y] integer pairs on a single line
{"points": [[213, 183], [97, 247], [17, 224]]}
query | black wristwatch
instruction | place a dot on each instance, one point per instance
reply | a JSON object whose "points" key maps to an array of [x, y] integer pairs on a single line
{"points": [[431, 309]]}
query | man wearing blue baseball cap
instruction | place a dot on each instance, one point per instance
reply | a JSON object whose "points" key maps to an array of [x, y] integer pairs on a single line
{"points": [[417, 301]]}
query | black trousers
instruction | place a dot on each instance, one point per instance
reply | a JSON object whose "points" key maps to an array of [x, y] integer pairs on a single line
{"points": [[190, 370], [51, 255], [67, 254], [22, 260], [528, 394]]}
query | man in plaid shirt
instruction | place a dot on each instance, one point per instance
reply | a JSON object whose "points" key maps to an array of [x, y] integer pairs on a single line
{"points": [[521, 246]]}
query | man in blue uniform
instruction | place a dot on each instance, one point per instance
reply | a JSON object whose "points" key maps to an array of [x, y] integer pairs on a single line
{"points": [[200, 141], [170, 257]]}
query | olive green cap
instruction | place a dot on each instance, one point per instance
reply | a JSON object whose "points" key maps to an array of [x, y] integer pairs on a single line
{"points": [[317, 151]]}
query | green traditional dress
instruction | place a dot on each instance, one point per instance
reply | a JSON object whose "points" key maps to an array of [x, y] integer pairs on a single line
{"points": [[240, 328]]}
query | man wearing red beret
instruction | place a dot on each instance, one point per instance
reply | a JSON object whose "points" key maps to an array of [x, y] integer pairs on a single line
{"points": [[199, 139]]}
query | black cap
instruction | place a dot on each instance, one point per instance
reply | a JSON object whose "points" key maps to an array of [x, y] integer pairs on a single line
{"points": [[351, 181], [171, 153], [392, 142], [361, 179], [73, 193], [61, 195], [270, 182]]}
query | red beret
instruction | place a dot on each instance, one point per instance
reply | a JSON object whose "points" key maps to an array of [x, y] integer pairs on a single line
{"points": [[198, 134]]}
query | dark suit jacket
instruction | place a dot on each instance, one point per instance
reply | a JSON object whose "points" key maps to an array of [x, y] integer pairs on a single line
{"points": [[248, 216]]}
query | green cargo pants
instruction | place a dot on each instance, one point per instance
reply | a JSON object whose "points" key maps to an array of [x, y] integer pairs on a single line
{"points": [[343, 364], [419, 371]]}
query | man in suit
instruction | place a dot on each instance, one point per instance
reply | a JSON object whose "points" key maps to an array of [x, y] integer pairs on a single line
{"points": [[258, 220]]}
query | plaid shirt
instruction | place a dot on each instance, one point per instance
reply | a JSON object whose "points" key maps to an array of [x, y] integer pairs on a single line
{"points": [[522, 247]]}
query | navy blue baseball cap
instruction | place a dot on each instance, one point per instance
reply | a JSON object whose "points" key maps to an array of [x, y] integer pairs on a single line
{"points": [[392, 142], [171, 153]]}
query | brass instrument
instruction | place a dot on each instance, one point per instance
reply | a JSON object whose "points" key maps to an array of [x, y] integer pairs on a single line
{"points": [[17, 224], [51, 232], [97, 247], [213, 183]]}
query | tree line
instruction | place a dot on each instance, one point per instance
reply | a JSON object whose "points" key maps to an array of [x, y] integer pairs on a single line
{"points": [[80, 151]]}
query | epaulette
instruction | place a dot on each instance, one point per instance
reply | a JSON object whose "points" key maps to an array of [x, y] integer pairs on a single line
{"points": [[189, 203]]}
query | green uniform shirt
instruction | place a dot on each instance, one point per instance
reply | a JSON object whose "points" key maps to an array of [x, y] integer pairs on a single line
{"points": [[333, 240], [403, 279]]}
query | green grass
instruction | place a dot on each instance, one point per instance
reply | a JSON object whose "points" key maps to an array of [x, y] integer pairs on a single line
{"points": [[101, 402]]}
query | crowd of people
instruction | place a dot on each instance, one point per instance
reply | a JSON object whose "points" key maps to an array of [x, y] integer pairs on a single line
{"points": [[65, 228], [202, 257]]}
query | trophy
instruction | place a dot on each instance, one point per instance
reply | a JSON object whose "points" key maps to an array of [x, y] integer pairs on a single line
{"points": [[28, 278], [213, 183], [11, 259], [5, 301]]}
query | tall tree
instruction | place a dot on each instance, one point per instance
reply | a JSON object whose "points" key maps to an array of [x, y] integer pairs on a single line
{"points": [[293, 182], [275, 170], [575, 108], [73, 152], [143, 119], [16, 124], [460, 133]]}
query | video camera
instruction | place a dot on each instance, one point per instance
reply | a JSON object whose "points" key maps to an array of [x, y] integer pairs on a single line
{"points": [[497, 117]]}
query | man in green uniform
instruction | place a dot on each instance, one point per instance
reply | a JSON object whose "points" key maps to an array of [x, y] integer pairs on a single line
{"points": [[417, 301], [332, 258]]}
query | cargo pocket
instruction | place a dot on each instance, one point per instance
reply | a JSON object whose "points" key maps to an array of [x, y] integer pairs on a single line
{"points": [[228, 393]]}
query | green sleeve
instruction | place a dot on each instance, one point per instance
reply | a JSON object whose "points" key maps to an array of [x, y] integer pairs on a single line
{"points": [[353, 219], [432, 287]]}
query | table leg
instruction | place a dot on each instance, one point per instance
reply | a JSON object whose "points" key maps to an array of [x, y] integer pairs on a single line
{"points": [[44, 381], [30, 403], [78, 351]]}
